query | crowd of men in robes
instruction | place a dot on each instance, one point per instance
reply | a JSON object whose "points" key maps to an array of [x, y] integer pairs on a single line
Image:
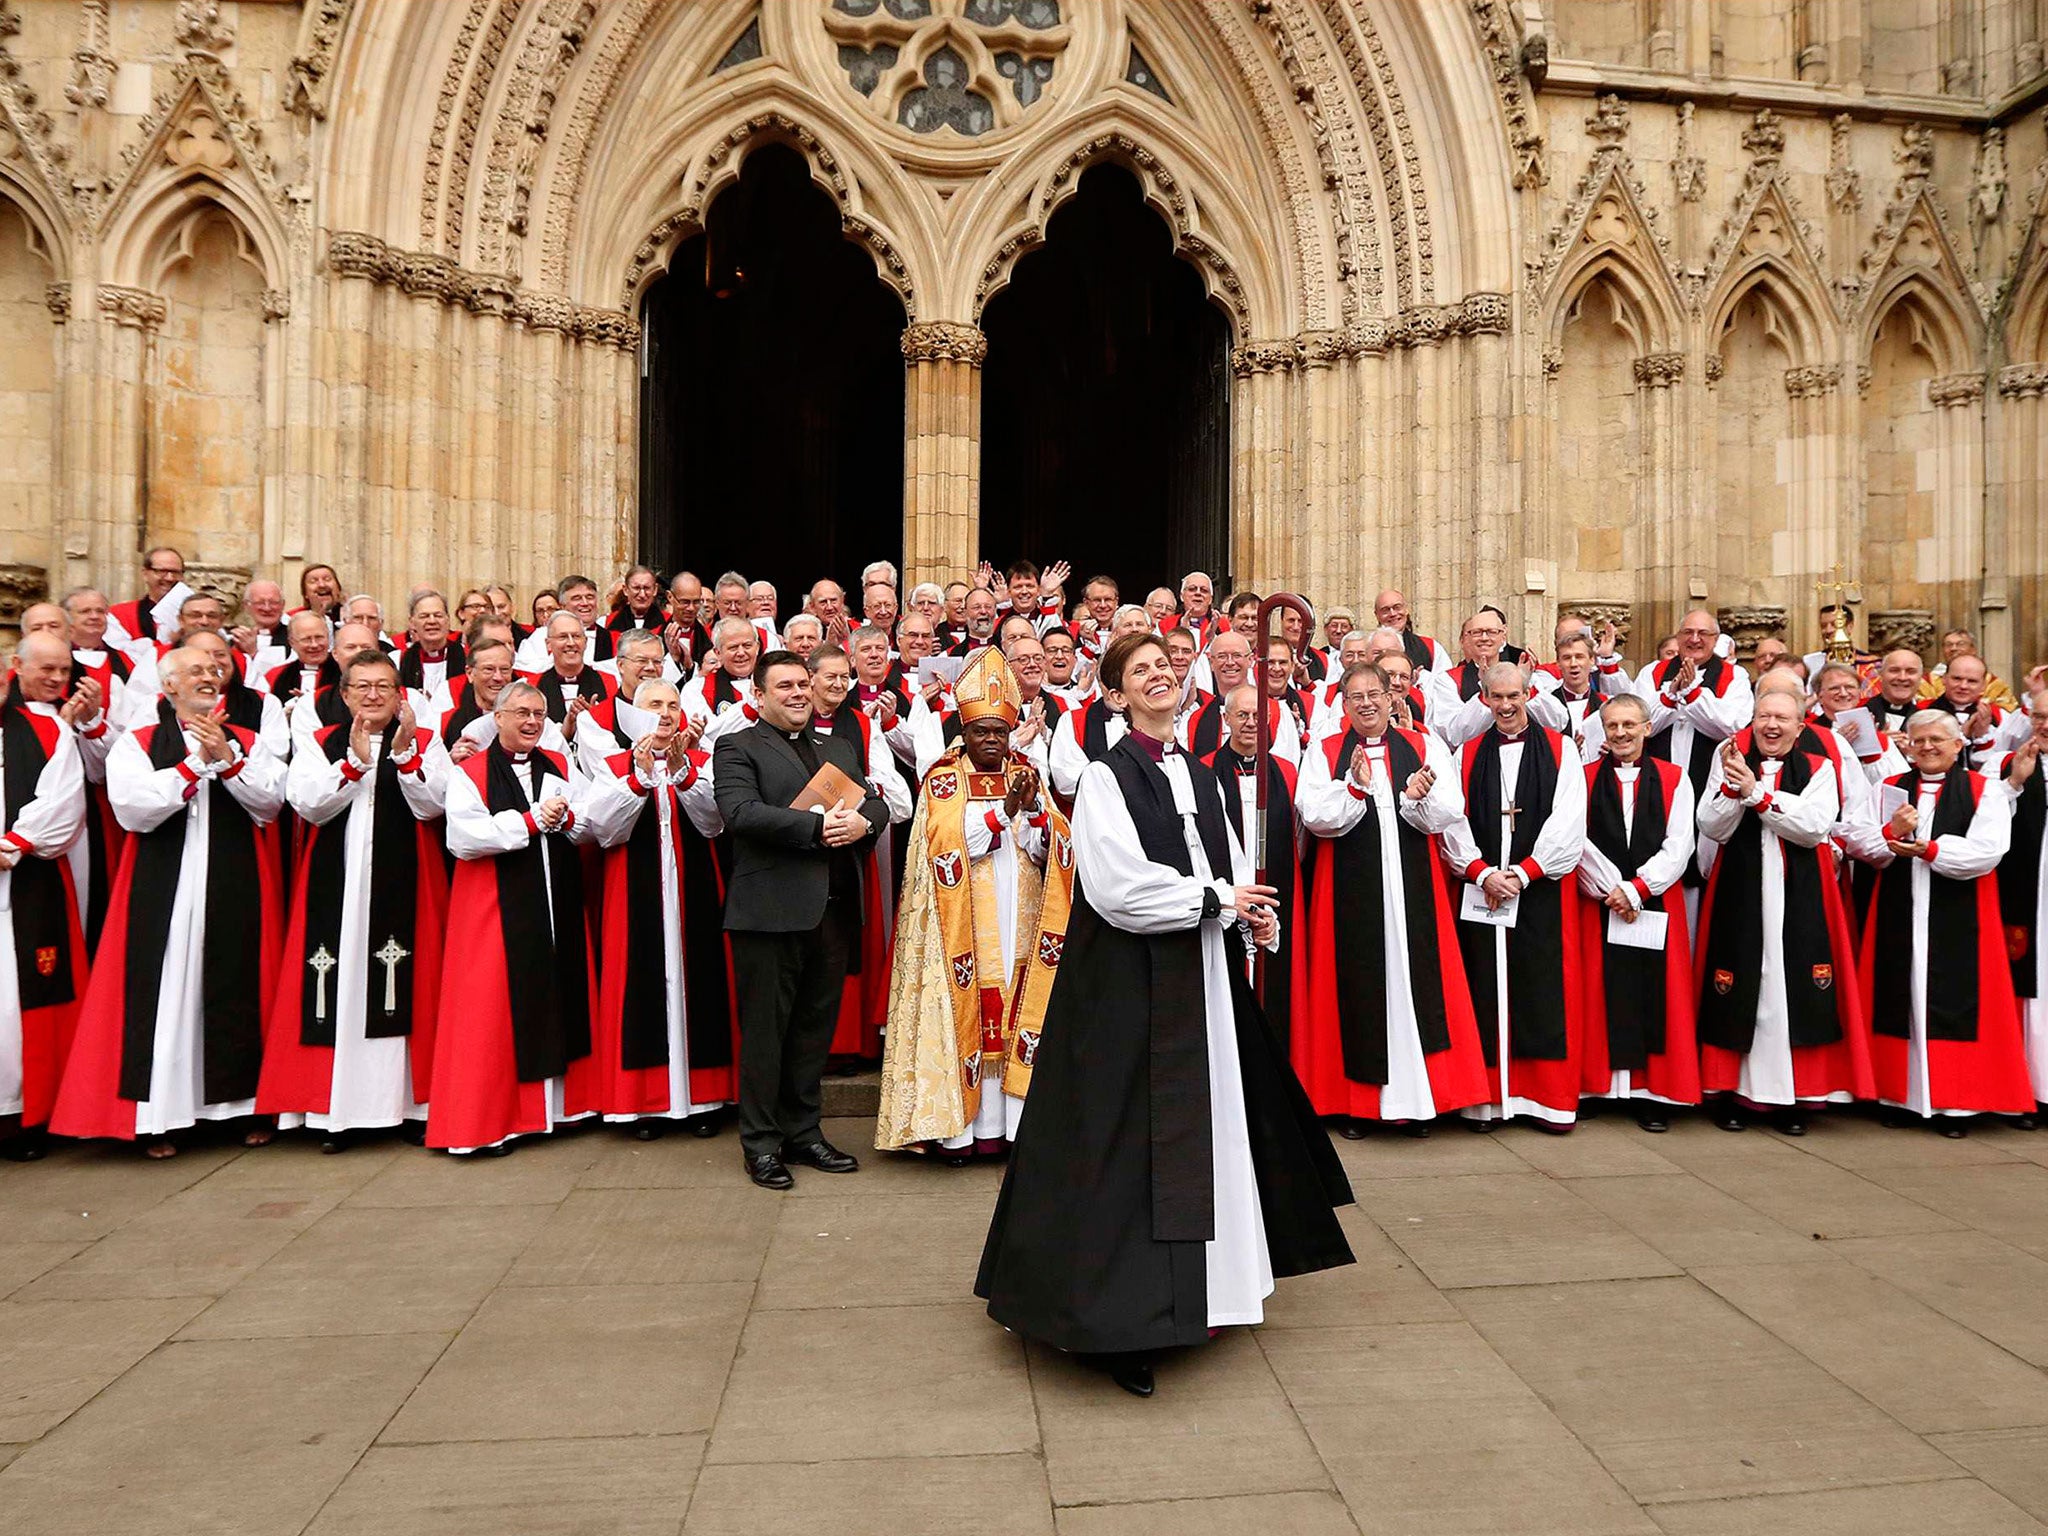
{"points": [[467, 874]]}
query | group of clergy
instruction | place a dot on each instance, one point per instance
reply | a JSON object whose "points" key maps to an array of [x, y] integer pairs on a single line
{"points": [[468, 879]]}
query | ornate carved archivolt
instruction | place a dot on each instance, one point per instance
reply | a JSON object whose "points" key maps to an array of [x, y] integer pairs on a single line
{"points": [[430, 275], [1501, 41], [1609, 207], [944, 341], [1914, 231]]}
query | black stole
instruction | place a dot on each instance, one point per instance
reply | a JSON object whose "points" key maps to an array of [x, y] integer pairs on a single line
{"points": [[1284, 865], [2019, 880], [467, 711], [1659, 745], [230, 1007], [292, 676], [1732, 968], [394, 904], [1632, 979], [546, 962], [1536, 1002], [1359, 944], [1182, 1135], [1467, 676], [42, 911], [1951, 916], [244, 704], [1417, 651], [589, 685], [643, 1011], [1206, 735], [1094, 732], [412, 666]]}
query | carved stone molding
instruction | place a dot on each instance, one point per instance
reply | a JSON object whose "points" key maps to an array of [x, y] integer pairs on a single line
{"points": [[1598, 611], [1319, 349], [1715, 366], [1844, 182], [1764, 138], [226, 582], [427, 275], [1955, 389], [92, 62], [57, 300], [1660, 370], [1862, 381], [1264, 357], [1901, 629], [1553, 362], [277, 304], [1688, 167], [21, 585], [1499, 39], [310, 66], [2026, 381], [1747, 625], [1810, 382], [136, 307], [944, 341]]}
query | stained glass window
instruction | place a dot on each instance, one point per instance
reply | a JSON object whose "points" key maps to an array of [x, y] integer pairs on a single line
{"points": [[946, 100]]}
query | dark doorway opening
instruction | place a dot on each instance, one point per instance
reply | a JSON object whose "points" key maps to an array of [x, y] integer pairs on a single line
{"points": [[771, 393], [1105, 401]]}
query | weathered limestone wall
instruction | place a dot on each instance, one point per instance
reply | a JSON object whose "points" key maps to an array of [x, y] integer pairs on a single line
{"points": [[1636, 306]]}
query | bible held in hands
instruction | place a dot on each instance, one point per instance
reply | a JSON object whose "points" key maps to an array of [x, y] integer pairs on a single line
{"points": [[828, 787]]}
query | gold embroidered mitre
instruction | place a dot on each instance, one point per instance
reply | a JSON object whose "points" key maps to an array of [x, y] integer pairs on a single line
{"points": [[986, 687]]}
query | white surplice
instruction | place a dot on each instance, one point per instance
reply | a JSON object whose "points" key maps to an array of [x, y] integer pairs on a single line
{"points": [[1333, 807], [999, 1113], [1803, 820], [144, 798], [615, 807], [371, 1083], [1131, 892]]}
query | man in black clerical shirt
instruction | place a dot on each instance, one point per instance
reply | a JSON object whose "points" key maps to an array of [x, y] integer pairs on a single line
{"points": [[793, 911]]}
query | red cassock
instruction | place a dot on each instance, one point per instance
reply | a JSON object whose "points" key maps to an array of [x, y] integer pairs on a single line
{"points": [[90, 1100], [1976, 1055], [49, 942], [298, 1077], [479, 1098], [616, 1088], [1345, 1009], [1829, 1032], [864, 1004], [1670, 1068]]}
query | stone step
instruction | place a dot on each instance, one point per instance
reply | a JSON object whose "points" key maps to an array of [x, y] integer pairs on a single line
{"points": [[854, 1097]]}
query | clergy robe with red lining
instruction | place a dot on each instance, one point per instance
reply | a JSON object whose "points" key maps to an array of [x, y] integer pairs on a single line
{"points": [[45, 810]]}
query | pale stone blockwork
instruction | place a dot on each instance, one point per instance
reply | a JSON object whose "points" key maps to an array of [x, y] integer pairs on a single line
{"points": [[1639, 302]]}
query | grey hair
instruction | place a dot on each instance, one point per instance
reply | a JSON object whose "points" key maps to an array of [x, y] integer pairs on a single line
{"points": [[514, 691], [726, 625], [863, 632], [26, 642], [1625, 698], [638, 638], [420, 595], [938, 593], [1940, 717], [730, 579], [647, 683], [1836, 666], [804, 618], [1124, 608], [1505, 669], [868, 572]]}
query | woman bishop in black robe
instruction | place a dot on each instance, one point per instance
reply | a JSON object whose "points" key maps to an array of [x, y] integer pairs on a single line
{"points": [[1168, 1165]]}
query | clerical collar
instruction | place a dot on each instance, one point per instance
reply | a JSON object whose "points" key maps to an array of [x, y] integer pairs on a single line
{"points": [[822, 722], [519, 757], [1158, 751], [1927, 779], [795, 735], [1510, 738], [427, 655]]}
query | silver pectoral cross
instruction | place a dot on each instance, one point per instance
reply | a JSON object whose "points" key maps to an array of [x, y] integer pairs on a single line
{"points": [[320, 963], [389, 956]]}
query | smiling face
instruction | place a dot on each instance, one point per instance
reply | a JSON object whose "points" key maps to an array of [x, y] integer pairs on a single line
{"points": [[642, 591], [638, 661], [828, 600], [309, 639], [430, 622], [831, 681], [1837, 690], [981, 613], [581, 600], [319, 587], [1180, 650], [1483, 636], [1100, 597], [878, 605], [521, 715], [190, 683], [1899, 678], [88, 615], [915, 638], [490, 669], [1964, 684], [1934, 747], [1161, 605], [1367, 698], [1278, 670], [566, 642], [1627, 728], [371, 691], [1147, 689], [871, 656], [1197, 595], [1230, 659], [1060, 658], [42, 668], [265, 602], [1391, 609], [1575, 663], [659, 699], [785, 696], [1027, 663], [738, 648], [1508, 698], [1024, 593], [1775, 726], [1697, 632], [163, 570]]}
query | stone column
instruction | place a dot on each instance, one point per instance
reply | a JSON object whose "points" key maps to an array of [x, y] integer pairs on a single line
{"points": [[2023, 552], [1260, 514], [1959, 532], [340, 503], [1665, 588], [941, 449], [129, 318], [277, 308], [1813, 543]]}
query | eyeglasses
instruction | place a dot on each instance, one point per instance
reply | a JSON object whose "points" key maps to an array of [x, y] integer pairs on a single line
{"points": [[1370, 696], [165, 570], [527, 714], [373, 690]]}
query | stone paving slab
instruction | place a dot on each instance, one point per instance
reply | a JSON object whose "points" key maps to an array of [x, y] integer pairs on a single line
{"points": [[1698, 1333]]}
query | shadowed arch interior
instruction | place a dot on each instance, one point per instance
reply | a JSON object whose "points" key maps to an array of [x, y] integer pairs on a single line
{"points": [[771, 420], [1105, 400]]}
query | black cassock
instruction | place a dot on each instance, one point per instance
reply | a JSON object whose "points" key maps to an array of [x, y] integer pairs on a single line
{"points": [[1097, 1240]]}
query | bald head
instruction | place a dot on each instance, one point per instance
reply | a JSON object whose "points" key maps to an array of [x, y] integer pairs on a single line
{"points": [[45, 619]]}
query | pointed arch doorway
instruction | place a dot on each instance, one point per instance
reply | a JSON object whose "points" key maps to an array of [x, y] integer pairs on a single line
{"points": [[771, 393], [1105, 400]]}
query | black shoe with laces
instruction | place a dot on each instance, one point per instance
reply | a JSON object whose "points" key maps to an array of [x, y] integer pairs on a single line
{"points": [[821, 1155], [768, 1172]]}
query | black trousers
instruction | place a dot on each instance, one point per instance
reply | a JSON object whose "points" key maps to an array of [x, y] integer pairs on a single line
{"points": [[790, 987]]}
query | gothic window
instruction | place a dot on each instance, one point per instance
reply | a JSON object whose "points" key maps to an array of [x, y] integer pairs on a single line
{"points": [[974, 66], [745, 48], [1139, 72], [865, 67], [946, 100]]}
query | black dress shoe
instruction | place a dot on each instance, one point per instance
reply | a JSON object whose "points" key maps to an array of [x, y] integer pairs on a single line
{"points": [[951, 1159], [1415, 1130], [1952, 1128], [30, 1146], [2024, 1122], [1481, 1127], [332, 1142], [823, 1156], [1729, 1118], [1352, 1130], [1791, 1123], [647, 1130], [413, 1132], [1131, 1372], [1655, 1124], [704, 1126], [502, 1149], [768, 1172]]}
